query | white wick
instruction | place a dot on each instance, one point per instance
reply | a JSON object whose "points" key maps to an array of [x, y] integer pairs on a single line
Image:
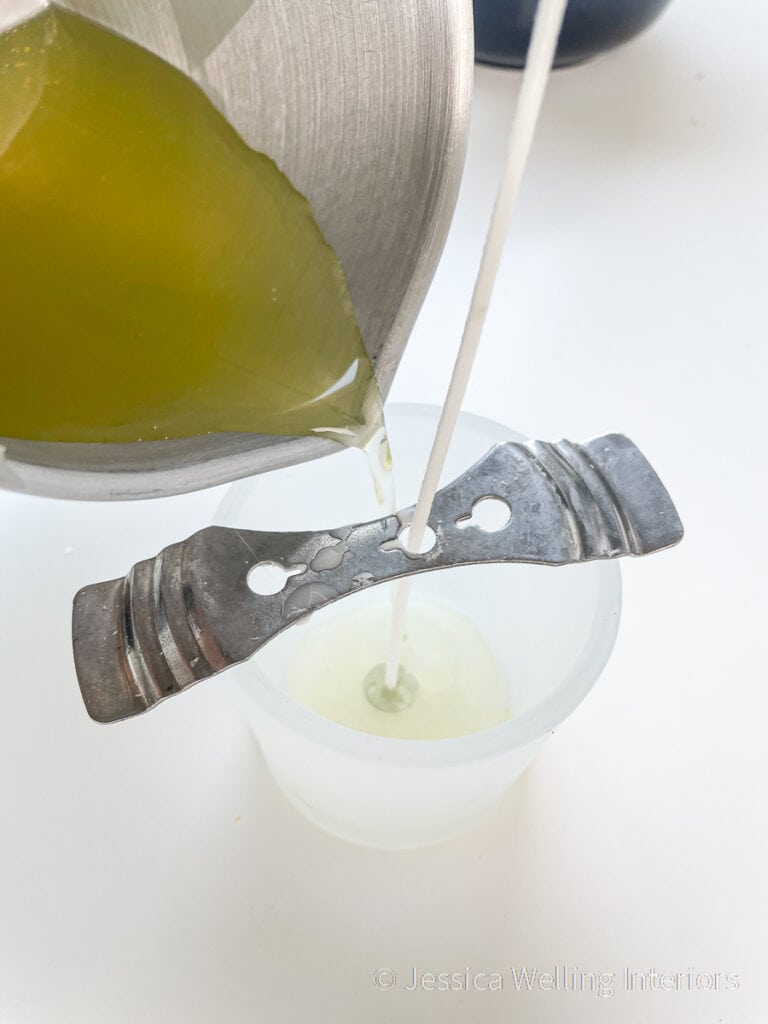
{"points": [[541, 53]]}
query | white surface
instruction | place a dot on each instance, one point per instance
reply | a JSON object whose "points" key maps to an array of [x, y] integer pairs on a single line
{"points": [[150, 872]]}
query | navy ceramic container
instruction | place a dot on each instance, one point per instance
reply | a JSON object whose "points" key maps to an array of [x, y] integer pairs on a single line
{"points": [[503, 28]]}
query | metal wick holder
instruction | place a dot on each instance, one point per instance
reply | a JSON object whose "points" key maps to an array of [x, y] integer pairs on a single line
{"points": [[190, 613]]}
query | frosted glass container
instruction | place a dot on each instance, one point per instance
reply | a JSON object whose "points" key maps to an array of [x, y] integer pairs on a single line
{"points": [[550, 629]]}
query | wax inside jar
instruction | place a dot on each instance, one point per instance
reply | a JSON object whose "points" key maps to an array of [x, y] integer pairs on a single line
{"points": [[458, 686]]}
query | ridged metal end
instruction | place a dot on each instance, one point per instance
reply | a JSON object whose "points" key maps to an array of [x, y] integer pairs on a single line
{"points": [[109, 690], [613, 499], [127, 657]]}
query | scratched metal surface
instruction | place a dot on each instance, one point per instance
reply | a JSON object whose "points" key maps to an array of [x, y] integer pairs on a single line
{"points": [[190, 612]]}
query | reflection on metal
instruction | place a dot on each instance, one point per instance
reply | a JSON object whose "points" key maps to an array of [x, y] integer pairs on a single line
{"points": [[190, 613]]}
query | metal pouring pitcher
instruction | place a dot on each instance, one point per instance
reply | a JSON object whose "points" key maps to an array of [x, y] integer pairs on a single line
{"points": [[365, 107]]}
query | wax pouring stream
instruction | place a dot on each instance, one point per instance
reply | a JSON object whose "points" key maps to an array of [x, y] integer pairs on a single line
{"points": [[190, 613]]}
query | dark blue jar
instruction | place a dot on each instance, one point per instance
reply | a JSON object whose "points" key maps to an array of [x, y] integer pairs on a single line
{"points": [[503, 28]]}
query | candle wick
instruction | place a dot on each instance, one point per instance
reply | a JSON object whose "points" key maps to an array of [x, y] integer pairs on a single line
{"points": [[541, 54]]}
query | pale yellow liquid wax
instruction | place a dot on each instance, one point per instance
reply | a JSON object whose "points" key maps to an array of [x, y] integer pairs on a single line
{"points": [[158, 277], [459, 688]]}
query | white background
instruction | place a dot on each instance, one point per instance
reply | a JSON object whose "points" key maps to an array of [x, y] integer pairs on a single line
{"points": [[150, 872]]}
